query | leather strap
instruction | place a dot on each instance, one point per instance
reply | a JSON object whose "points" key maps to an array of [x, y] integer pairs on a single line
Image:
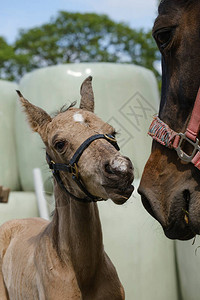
{"points": [[87, 142], [194, 123], [88, 199]]}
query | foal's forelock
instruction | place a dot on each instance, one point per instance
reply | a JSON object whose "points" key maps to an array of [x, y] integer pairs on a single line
{"points": [[63, 109]]}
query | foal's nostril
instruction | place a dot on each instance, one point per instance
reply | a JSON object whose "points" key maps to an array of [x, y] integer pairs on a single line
{"points": [[119, 166], [108, 169]]}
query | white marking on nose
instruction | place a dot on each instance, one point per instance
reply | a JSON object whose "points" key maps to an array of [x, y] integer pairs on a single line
{"points": [[78, 118], [120, 164]]}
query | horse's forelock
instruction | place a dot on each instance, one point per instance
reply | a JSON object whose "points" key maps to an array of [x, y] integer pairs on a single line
{"points": [[166, 5]]}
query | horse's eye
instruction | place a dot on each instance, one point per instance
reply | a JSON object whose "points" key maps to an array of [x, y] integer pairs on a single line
{"points": [[163, 37], [59, 146]]}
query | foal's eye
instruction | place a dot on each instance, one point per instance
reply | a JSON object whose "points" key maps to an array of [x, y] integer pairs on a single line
{"points": [[163, 37], [59, 146]]}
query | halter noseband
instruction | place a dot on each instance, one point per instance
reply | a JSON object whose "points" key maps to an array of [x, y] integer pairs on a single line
{"points": [[163, 134], [72, 167]]}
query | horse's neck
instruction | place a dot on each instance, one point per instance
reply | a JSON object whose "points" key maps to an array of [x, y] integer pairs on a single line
{"points": [[78, 234]]}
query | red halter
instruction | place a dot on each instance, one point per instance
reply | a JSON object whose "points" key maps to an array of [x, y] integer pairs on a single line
{"points": [[161, 132]]}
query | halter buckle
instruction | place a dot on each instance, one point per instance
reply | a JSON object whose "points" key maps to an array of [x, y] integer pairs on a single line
{"points": [[182, 155], [51, 164], [74, 170]]}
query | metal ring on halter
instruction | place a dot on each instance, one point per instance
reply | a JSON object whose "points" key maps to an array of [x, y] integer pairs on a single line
{"points": [[112, 140], [109, 137], [184, 156]]}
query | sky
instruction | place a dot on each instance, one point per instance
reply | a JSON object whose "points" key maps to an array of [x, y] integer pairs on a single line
{"points": [[24, 14]]}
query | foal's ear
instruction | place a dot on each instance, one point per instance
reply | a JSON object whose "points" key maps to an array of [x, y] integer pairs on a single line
{"points": [[87, 96], [37, 117]]}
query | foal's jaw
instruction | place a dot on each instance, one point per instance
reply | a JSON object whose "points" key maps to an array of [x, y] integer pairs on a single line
{"points": [[112, 173]]}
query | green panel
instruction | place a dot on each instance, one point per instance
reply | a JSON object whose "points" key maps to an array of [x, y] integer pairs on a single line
{"points": [[142, 255], [188, 258], [8, 164]]}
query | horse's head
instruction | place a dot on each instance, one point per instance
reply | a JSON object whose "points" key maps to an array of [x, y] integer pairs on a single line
{"points": [[170, 188], [82, 150]]}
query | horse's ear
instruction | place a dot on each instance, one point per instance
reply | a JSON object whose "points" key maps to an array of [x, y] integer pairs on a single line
{"points": [[87, 96], [37, 117]]}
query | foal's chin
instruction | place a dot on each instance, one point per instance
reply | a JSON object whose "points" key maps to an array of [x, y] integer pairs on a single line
{"points": [[120, 196]]}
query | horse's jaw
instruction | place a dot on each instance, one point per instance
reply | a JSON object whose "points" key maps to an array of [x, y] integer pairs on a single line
{"points": [[170, 193], [176, 224]]}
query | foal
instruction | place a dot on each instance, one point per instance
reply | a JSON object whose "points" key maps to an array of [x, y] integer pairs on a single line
{"points": [[65, 258]]}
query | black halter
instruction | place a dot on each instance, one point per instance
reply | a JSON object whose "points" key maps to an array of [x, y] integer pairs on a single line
{"points": [[72, 167]]}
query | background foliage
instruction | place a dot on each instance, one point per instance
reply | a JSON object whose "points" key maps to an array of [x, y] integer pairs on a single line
{"points": [[75, 37]]}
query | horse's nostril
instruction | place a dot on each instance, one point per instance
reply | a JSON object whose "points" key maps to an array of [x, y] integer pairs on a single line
{"points": [[186, 196]]}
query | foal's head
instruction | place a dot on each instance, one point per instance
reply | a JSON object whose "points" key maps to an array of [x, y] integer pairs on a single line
{"points": [[102, 170], [170, 189]]}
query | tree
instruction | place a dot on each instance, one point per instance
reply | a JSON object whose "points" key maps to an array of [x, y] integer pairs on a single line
{"points": [[6, 55], [75, 37]]}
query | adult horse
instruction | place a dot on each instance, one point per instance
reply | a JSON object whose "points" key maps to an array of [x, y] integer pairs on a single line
{"points": [[170, 185]]}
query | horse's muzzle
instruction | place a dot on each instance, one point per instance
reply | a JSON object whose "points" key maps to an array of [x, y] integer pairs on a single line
{"points": [[175, 220]]}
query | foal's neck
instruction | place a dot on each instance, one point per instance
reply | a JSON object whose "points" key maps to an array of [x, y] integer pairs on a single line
{"points": [[78, 234]]}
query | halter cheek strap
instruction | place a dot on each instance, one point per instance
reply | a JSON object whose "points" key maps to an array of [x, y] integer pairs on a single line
{"points": [[163, 134], [72, 167], [194, 124]]}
